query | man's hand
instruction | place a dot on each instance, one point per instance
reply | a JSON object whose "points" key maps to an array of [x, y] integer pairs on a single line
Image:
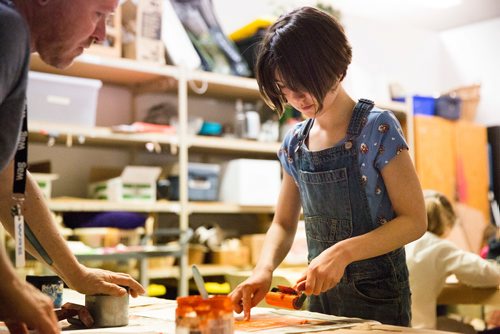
{"points": [[91, 281], [23, 307]]}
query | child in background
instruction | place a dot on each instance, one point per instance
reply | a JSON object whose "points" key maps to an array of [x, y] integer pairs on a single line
{"points": [[431, 259], [349, 169]]}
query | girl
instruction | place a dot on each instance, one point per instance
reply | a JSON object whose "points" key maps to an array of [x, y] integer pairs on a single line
{"points": [[349, 169], [431, 259]]}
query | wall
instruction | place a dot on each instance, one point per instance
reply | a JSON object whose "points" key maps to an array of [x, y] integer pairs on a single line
{"points": [[422, 61], [382, 52], [385, 53], [474, 52]]}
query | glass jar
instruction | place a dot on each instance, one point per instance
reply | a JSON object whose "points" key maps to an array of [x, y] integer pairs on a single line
{"points": [[195, 315]]}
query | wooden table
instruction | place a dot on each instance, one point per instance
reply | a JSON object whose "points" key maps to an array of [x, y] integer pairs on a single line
{"points": [[457, 294], [384, 329], [156, 316]]}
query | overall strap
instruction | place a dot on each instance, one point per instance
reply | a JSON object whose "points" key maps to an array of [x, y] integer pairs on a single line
{"points": [[304, 132], [358, 119]]}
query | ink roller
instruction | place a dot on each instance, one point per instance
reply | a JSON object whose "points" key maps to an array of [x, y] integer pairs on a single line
{"points": [[285, 297]]}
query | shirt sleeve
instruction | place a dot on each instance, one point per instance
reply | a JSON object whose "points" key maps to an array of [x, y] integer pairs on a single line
{"points": [[389, 138], [283, 152], [14, 60], [287, 150], [469, 268]]}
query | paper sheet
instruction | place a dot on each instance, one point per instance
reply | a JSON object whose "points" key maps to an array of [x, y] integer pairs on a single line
{"points": [[267, 320]]}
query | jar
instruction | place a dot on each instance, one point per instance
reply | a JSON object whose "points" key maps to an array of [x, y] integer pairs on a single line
{"points": [[204, 316], [52, 286]]}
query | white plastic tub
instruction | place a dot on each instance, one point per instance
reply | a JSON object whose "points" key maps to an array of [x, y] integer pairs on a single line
{"points": [[251, 182], [62, 99]]}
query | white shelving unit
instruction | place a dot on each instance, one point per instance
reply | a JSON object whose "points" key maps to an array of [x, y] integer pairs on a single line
{"points": [[144, 77], [141, 78]]}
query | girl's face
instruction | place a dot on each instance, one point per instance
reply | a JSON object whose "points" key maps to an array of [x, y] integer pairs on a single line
{"points": [[305, 102], [301, 101]]}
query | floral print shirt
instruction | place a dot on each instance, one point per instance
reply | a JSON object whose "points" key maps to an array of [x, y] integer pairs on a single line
{"points": [[378, 143]]}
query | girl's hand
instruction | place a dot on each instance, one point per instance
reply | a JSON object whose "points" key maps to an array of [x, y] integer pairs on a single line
{"points": [[97, 281], [250, 292], [323, 273]]}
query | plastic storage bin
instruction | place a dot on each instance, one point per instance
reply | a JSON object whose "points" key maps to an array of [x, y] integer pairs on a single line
{"points": [[448, 107], [251, 182], [422, 105], [203, 182], [62, 99]]}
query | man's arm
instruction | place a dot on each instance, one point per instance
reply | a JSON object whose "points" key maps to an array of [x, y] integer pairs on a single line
{"points": [[38, 217], [22, 304]]}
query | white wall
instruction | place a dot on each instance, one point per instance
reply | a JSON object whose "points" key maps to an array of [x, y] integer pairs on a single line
{"points": [[382, 52], [474, 52], [422, 61]]}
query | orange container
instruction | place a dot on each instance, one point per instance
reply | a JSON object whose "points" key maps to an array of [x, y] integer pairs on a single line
{"points": [[205, 316]]}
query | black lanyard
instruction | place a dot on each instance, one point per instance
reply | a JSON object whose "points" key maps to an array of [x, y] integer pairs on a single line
{"points": [[19, 188], [21, 159]]}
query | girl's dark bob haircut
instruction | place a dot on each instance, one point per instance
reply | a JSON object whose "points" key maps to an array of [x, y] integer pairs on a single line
{"points": [[308, 50]]}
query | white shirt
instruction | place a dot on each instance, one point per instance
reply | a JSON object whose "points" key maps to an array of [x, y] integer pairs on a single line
{"points": [[430, 260]]}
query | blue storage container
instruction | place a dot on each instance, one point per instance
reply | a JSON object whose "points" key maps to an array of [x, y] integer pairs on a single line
{"points": [[422, 105], [203, 183]]}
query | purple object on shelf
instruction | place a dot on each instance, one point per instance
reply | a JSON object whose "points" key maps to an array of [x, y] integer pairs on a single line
{"points": [[117, 219]]}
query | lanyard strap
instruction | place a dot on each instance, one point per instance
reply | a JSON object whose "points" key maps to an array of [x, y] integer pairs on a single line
{"points": [[21, 229], [21, 160]]}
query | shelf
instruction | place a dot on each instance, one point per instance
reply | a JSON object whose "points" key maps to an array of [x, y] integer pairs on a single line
{"points": [[40, 131], [205, 270], [220, 207], [152, 77], [225, 86], [104, 136], [67, 204], [400, 109], [117, 71], [225, 144], [137, 252]]}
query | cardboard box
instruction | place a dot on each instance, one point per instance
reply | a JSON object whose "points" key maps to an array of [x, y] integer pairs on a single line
{"points": [[108, 236], [238, 257], [135, 183], [251, 182], [254, 242], [196, 254], [44, 181], [112, 45], [142, 23]]}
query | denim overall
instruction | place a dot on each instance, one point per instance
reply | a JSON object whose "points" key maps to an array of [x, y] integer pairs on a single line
{"points": [[336, 208]]}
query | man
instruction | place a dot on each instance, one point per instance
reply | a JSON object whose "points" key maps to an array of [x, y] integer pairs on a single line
{"points": [[59, 30]]}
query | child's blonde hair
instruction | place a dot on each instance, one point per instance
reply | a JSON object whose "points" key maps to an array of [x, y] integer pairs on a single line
{"points": [[440, 213]]}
